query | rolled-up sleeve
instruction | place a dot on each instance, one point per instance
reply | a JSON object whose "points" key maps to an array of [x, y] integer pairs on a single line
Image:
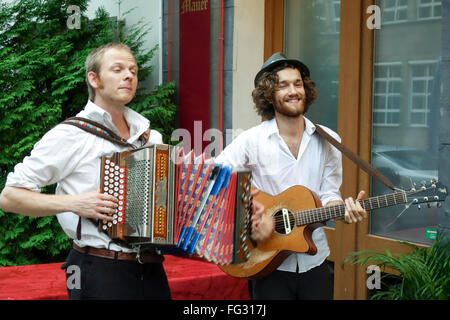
{"points": [[52, 159]]}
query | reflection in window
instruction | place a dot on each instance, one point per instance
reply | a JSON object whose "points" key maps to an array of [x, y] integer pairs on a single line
{"points": [[422, 75], [394, 11], [428, 9], [387, 94]]}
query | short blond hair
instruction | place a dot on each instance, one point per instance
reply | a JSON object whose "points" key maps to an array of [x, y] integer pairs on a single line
{"points": [[94, 62]]}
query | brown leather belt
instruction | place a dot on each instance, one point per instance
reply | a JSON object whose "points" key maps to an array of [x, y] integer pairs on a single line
{"points": [[145, 257]]}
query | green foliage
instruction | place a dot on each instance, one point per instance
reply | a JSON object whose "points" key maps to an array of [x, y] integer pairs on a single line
{"points": [[423, 273], [42, 79]]}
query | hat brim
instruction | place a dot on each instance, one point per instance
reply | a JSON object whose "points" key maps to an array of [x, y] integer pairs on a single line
{"points": [[304, 71]]}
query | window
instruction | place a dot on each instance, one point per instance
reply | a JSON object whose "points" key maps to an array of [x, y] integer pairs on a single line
{"points": [[406, 119], [421, 88], [318, 48], [387, 94], [429, 9]]}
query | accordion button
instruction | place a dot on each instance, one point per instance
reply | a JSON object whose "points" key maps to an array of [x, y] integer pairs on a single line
{"points": [[104, 227], [115, 194], [109, 224], [120, 219], [107, 161], [112, 164]]}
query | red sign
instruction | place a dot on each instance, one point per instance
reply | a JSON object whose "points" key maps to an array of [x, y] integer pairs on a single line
{"points": [[194, 92]]}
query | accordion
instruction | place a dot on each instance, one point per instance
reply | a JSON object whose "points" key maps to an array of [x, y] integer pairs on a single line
{"points": [[178, 203]]}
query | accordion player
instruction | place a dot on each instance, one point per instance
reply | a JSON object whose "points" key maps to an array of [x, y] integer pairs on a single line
{"points": [[178, 203]]}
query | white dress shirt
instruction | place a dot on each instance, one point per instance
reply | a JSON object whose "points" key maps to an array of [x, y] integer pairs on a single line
{"points": [[318, 167], [70, 157]]}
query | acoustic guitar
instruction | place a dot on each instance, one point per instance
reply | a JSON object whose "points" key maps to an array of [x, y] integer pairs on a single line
{"points": [[297, 212]]}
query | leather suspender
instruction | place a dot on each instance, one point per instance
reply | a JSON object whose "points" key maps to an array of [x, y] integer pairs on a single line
{"points": [[356, 159], [98, 130]]}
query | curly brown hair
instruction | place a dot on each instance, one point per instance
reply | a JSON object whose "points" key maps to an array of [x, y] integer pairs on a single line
{"points": [[263, 94]]}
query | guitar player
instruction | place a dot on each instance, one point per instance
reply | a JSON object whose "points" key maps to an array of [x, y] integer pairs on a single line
{"points": [[284, 151]]}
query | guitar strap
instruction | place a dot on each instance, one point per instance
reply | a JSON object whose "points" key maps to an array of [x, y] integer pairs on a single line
{"points": [[105, 133], [367, 167]]}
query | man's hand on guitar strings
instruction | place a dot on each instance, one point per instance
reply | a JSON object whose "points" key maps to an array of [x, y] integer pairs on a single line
{"points": [[353, 210], [262, 225]]}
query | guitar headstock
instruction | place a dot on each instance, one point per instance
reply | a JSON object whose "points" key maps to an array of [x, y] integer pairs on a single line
{"points": [[433, 192]]}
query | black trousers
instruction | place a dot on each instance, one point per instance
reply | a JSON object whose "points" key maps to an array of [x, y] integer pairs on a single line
{"points": [[315, 284], [89, 277]]}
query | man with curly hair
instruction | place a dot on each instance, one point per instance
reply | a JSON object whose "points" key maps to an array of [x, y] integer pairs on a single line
{"points": [[284, 151]]}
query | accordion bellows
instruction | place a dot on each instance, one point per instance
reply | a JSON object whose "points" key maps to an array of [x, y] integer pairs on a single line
{"points": [[179, 202]]}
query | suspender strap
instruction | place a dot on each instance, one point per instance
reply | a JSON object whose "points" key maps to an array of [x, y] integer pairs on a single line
{"points": [[98, 130], [356, 159]]}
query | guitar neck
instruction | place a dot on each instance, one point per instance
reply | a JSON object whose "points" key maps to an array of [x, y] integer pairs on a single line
{"points": [[338, 211]]}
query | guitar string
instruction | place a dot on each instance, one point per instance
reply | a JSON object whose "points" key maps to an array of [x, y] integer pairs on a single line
{"points": [[307, 216]]}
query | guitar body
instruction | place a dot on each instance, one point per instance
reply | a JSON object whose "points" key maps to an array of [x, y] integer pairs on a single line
{"points": [[266, 256]]}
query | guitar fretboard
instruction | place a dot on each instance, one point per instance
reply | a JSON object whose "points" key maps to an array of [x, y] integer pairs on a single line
{"points": [[338, 211]]}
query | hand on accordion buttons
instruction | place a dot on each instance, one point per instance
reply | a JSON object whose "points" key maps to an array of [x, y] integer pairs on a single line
{"points": [[94, 205], [262, 225]]}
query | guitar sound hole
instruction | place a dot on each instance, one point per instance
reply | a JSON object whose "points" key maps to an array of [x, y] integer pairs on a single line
{"points": [[284, 222]]}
